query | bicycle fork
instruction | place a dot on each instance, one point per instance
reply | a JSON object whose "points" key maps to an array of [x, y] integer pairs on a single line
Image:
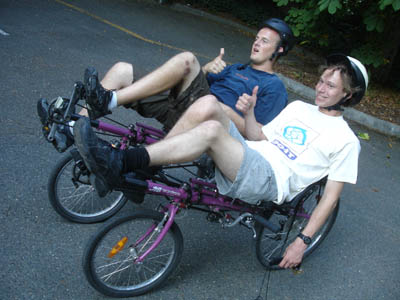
{"points": [[162, 227]]}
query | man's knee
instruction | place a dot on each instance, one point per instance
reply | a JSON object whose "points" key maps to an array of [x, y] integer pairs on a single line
{"points": [[124, 70], [188, 62], [206, 108], [211, 130]]}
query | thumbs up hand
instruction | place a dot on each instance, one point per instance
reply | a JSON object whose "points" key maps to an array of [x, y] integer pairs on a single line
{"points": [[247, 102], [216, 65], [221, 53]]}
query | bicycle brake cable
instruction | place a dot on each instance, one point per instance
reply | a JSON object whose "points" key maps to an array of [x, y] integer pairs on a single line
{"points": [[259, 297]]}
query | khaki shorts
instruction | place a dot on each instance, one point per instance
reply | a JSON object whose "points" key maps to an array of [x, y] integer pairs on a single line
{"points": [[167, 107]]}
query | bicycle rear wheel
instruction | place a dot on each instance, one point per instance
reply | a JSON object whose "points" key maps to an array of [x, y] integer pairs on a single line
{"points": [[109, 261], [271, 245], [72, 196]]}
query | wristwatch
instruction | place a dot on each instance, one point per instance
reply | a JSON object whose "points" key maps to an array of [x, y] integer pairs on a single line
{"points": [[306, 239]]}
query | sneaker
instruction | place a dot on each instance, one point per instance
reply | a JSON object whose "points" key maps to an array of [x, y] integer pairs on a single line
{"points": [[103, 161], [136, 197], [42, 108], [97, 97], [63, 137]]}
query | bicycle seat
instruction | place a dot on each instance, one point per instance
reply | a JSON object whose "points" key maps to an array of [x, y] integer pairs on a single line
{"points": [[306, 192]]}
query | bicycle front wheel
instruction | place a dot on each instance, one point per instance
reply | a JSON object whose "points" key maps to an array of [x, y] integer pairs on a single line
{"points": [[72, 196], [271, 245], [110, 259]]}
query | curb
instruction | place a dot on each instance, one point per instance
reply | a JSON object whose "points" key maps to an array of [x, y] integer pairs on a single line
{"points": [[298, 88]]}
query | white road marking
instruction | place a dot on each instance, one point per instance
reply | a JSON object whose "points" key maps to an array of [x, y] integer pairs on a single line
{"points": [[3, 32]]}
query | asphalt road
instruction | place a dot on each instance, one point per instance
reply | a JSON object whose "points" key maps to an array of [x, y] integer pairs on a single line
{"points": [[45, 46]]}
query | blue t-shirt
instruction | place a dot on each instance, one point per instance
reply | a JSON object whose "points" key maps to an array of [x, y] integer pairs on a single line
{"points": [[237, 79]]}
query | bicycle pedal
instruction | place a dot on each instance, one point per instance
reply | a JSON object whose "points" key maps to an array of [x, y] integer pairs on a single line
{"points": [[213, 217], [45, 130], [297, 271], [116, 144]]}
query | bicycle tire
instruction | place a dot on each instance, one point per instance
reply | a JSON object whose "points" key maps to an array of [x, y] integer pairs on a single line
{"points": [[78, 201], [119, 275], [271, 245]]}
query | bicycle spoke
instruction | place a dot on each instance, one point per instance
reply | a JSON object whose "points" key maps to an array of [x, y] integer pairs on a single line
{"points": [[77, 200]]}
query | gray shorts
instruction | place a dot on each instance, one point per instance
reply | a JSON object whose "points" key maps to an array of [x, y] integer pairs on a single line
{"points": [[255, 181]]}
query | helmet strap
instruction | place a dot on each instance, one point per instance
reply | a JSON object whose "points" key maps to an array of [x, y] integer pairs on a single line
{"points": [[338, 106], [276, 53]]}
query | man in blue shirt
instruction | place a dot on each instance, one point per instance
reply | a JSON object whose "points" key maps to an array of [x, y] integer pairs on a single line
{"points": [[238, 79], [168, 91]]}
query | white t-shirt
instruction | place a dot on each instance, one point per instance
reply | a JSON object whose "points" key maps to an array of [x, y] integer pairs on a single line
{"points": [[304, 145]]}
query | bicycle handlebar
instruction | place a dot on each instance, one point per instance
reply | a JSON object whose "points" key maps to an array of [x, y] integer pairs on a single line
{"points": [[276, 260]]}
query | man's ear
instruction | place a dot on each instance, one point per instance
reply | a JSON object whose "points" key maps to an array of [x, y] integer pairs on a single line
{"points": [[280, 50], [348, 96]]}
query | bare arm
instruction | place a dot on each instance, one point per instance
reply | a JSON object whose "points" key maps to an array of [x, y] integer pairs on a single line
{"points": [[294, 253], [216, 65], [236, 119]]}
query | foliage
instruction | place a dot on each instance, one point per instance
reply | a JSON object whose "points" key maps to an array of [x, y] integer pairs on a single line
{"points": [[365, 29], [359, 27], [251, 14]]}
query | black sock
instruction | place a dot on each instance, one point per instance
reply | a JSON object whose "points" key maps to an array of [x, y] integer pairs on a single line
{"points": [[135, 158]]}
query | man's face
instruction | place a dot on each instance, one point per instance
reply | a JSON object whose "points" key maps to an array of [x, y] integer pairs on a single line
{"points": [[329, 89], [264, 46]]}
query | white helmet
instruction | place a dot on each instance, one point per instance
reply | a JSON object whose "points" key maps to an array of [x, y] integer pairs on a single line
{"points": [[357, 72]]}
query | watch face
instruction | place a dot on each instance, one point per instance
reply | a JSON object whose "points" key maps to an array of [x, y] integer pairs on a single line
{"points": [[307, 240]]}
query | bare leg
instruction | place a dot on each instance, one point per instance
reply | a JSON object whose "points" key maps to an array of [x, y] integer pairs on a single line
{"points": [[119, 76], [211, 137], [235, 117], [178, 72], [107, 163], [205, 108]]}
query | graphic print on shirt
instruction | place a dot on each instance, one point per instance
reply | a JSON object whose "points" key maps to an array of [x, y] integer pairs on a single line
{"points": [[242, 76], [294, 137]]}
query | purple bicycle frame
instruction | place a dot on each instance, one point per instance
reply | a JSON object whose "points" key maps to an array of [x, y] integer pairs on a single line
{"points": [[203, 196], [202, 192], [144, 134], [208, 197]]}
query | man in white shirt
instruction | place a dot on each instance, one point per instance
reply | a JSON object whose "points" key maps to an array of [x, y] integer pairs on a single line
{"points": [[303, 144]]}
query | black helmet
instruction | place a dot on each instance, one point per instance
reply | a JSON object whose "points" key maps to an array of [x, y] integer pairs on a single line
{"points": [[286, 34], [357, 72]]}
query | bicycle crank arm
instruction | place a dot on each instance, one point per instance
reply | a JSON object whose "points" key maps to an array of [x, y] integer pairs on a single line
{"points": [[50, 137]]}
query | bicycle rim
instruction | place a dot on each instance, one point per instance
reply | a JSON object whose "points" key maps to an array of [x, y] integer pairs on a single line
{"points": [[271, 245], [77, 200], [110, 261]]}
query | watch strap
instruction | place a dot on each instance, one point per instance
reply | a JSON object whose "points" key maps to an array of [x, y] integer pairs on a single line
{"points": [[306, 239]]}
